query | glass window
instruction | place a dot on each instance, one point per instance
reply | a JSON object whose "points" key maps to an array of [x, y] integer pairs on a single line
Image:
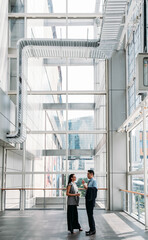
{"points": [[83, 6], [44, 6], [145, 71], [136, 148], [138, 206], [81, 120], [81, 78], [80, 163], [13, 181], [81, 141], [45, 28], [57, 119], [134, 47], [12, 199], [80, 32], [47, 77], [14, 162], [13, 73], [16, 31], [48, 28], [55, 163], [16, 6], [81, 99]]}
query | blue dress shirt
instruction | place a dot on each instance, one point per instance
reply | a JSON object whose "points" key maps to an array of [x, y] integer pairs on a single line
{"points": [[92, 183]]}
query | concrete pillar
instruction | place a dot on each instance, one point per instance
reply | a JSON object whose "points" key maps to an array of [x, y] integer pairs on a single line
{"points": [[117, 141]]}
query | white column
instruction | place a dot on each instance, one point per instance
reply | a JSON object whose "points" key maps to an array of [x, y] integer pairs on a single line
{"points": [[3, 184], [22, 203], [66, 103]]}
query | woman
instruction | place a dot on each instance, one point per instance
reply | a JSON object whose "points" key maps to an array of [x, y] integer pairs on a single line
{"points": [[73, 202]]}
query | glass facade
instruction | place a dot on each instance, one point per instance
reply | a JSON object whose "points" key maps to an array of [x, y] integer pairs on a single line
{"points": [[16, 6], [145, 72], [136, 43], [67, 118], [69, 122], [136, 148], [134, 46], [62, 128], [16, 31]]}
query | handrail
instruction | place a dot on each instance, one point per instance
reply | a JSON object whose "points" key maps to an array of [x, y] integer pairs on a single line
{"points": [[122, 190], [3, 189]]}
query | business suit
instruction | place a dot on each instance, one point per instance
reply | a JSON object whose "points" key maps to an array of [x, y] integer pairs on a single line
{"points": [[91, 194]]}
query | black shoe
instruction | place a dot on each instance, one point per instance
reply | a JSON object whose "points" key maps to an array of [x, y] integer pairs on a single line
{"points": [[90, 233], [87, 232]]}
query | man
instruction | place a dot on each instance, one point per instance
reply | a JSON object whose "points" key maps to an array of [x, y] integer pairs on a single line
{"points": [[91, 194]]}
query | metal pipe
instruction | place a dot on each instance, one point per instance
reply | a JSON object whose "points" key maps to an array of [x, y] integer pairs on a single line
{"points": [[22, 46]]}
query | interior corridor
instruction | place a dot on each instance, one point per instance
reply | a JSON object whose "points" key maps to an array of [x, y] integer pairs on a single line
{"points": [[44, 224]]}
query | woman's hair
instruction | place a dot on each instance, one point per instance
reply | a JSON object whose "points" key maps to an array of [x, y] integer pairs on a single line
{"points": [[70, 178]]}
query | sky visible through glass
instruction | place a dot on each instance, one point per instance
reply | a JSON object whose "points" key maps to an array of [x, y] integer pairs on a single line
{"points": [[80, 78], [86, 78], [77, 6]]}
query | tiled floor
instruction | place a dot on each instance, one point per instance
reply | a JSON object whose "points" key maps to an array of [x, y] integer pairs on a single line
{"points": [[51, 224]]}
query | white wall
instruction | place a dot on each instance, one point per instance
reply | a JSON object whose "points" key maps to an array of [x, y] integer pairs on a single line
{"points": [[3, 43]]}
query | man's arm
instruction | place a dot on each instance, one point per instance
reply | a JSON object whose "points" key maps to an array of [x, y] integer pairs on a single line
{"points": [[84, 184], [95, 184]]}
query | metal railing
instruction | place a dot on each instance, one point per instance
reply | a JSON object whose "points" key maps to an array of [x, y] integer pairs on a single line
{"points": [[133, 204], [37, 198]]}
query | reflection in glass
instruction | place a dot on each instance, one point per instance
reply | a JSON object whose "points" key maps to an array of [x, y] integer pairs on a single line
{"points": [[16, 6], [46, 77], [81, 141], [13, 73], [81, 120], [16, 31], [80, 163], [55, 163], [145, 71], [136, 148]]}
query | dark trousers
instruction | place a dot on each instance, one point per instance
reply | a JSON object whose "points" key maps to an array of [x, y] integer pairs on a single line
{"points": [[72, 218], [89, 209]]}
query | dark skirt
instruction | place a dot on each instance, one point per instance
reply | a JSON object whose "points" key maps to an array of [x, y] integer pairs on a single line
{"points": [[72, 218]]}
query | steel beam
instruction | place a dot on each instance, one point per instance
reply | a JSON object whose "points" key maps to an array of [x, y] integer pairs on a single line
{"points": [[60, 93], [69, 132], [71, 106], [71, 152], [56, 15]]}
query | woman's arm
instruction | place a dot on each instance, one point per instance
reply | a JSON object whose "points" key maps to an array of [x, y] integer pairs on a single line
{"points": [[70, 194]]}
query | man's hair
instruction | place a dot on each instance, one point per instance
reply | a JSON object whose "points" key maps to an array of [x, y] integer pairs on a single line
{"points": [[92, 172]]}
